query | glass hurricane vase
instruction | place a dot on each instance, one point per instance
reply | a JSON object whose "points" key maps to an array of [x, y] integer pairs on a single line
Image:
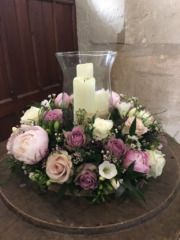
{"points": [[87, 79]]}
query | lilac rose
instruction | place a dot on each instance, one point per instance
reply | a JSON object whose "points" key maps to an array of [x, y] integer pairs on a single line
{"points": [[63, 100], [141, 158], [87, 177], [76, 138], [55, 115], [116, 147]]}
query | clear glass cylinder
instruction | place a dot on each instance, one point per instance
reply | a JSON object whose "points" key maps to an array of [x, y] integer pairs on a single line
{"points": [[87, 77]]}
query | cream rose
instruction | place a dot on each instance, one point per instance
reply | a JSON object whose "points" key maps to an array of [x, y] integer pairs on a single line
{"points": [[156, 162], [102, 127], [30, 115], [140, 128], [146, 117], [58, 167]]}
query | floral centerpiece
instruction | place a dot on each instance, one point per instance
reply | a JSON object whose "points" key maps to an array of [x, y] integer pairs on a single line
{"points": [[55, 145]]}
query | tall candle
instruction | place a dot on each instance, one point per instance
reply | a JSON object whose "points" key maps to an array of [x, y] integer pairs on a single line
{"points": [[84, 88], [85, 70], [84, 94]]}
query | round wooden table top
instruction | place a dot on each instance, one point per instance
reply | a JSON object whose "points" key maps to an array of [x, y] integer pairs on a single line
{"points": [[127, 218]]}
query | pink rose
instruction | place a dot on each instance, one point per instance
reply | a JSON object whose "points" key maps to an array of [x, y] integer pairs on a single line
{"points": [[63, 100], [141, 158], [30, 146], [87, 177], [76, 138], [140, 128], [115, 98], [58, 167], [116, 147], [55, 115]]}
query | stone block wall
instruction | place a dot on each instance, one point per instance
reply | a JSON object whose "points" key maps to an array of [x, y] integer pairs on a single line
{"points": [[100, 24], [148, 66]]}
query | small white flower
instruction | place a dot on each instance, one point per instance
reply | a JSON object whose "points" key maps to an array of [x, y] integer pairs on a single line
{"points": [[123, 108], [45, 103], [49, 96], [54, 95], [14, 129], [156, 162], [114, 183], [107, 170]]}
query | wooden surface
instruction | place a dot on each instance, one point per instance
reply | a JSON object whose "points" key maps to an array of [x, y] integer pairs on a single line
{"points": [[31, 32], [165, 225]]}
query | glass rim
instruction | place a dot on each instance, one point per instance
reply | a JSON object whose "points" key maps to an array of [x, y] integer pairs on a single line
{"points": [[86, 53]]}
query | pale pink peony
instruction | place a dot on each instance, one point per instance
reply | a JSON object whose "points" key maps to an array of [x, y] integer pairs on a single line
{"points": [[63, 100], [140, 128], [141, 158], [115, 98], [30, 146], [55, 115], [58, 167]]}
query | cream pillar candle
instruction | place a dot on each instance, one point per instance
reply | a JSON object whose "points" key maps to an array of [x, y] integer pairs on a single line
{"points": [[84, 94], [85, 70], [102, 101]]}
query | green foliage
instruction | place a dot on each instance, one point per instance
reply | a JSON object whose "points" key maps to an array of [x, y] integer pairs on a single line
{"points": [[132, 130], [62, 190], [15, 166], [115, 116]]}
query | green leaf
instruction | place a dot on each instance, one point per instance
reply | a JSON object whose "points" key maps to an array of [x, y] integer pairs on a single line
{"points": [[71, 190], [131, 167], [120, 190], [138, 194], [133, 128], [134, 191], [62, 191]]}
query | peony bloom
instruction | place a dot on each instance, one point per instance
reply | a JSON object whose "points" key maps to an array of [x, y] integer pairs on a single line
{"points": [[156, 162], [29, 147], [58, 167], [123, 108], [87, 177], [116, 147], [55, 115], [76, 138], [107, 170], [63, 100], [30, 115], [115, 98], [102, 127], [140, 128], [141, 158]]}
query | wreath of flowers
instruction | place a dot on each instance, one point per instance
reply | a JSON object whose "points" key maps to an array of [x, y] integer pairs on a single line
{"points": [[55, 146]]}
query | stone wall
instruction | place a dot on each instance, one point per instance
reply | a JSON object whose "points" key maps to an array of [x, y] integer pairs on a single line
{"points": [[100, 24], [148, 66]]}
